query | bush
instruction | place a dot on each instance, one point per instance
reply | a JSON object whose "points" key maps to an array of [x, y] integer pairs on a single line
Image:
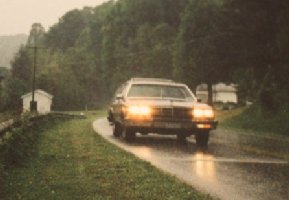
{"points": [[19, 143], [255, 118]]}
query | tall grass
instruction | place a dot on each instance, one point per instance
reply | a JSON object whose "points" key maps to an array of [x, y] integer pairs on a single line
{"points": [[256, 119], [19, 143]]}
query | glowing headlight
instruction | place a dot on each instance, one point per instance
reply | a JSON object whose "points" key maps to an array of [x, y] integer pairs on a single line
{"points": [[203, 113], [139, 110]]}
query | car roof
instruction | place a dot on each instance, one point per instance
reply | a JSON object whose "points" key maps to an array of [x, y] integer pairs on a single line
{"points": [[153, 81], [150, 80]]}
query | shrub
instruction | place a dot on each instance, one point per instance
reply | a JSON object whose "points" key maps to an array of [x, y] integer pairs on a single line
{"points": [[19, 143], [255, 118]]}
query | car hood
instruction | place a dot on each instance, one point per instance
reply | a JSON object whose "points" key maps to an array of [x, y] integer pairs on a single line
{"points": [[166, 103]]}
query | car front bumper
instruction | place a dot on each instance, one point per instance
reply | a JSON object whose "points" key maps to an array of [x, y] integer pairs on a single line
{"points": [[170, 126]]}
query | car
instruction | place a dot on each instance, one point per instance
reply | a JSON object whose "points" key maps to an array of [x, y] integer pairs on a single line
{"points": [[160, 106]]}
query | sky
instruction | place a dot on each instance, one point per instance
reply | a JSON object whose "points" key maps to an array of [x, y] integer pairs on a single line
{"points": [[17, 16]]}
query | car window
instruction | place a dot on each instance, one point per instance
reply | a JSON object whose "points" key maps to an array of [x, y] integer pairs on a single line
{"points": [[159, 91]]}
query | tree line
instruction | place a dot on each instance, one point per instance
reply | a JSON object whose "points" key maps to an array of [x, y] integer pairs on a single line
{"points": [[89, 52]]}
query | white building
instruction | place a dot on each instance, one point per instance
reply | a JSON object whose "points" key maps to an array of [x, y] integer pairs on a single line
{"points": [[43, 99], [221, 93]]}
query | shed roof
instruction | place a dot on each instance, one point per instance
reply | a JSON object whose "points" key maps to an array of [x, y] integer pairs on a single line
{"points": [[38, 91]]}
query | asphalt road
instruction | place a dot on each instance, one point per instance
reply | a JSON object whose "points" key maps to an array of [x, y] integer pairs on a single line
{"points": [[234, 167]]}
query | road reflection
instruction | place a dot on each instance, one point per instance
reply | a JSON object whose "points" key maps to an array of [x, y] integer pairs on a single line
{"points": [[204, 166], [143, 152], [223, 170]]}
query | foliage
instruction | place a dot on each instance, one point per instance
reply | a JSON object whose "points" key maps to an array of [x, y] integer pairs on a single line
{"points": [[200, 53], [257, 119], [259, 30], [16, 138], [89, 52], [19, 81], [20, 143]]}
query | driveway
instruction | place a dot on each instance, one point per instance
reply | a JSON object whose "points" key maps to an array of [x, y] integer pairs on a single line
{"points": [[234, 167]]}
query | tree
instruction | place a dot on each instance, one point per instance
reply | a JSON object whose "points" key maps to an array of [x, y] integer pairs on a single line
{"points": [[20, 80], [259, 33], [64, 34], [36, 35], [200, 55]]}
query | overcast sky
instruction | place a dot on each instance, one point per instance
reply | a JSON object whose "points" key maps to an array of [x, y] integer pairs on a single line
{"points": [[17, 16]]}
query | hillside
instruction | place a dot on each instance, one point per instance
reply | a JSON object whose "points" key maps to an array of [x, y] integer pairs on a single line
{"points": [[9, 45], [90, 52]]}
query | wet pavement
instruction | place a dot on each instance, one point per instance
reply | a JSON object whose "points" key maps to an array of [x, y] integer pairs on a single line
{"points": [[234, 167]]}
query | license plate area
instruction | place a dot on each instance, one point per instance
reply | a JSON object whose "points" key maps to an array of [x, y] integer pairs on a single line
{"points": [[167, 125]]}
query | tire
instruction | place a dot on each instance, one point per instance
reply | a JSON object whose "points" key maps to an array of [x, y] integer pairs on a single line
{"points": [[117, 130], [202, 138], [110, 118], [181, 138], [128, 135]]}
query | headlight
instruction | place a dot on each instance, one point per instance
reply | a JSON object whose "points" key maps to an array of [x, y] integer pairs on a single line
{"points": [[203, 113], [139, 111]]}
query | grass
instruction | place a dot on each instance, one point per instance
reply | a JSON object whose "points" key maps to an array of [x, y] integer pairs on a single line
{"points": [[264, 135], [254, 120], [223, 115], [73, 162]]}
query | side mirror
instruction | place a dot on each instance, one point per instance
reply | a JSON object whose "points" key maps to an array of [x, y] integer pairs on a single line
{"points": [[119, 97], [199, 100]]}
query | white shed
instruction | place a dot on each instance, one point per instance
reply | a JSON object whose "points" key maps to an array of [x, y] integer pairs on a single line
{"points": [[221, 93], [43, 99]]}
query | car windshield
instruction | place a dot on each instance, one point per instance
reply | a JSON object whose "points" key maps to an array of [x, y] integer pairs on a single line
{"points": [[159, 91]]}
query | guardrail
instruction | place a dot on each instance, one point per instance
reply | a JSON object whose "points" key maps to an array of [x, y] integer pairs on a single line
{"points": [[67, 115], [9, 124]]}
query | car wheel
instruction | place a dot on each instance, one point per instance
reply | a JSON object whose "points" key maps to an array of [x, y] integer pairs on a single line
{"points": [[117, 130], [128, 134], [181, 138], [202, 138], [110, 118]]}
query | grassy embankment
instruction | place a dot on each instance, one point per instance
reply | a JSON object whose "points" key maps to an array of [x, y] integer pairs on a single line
{"points": [[258, 133], [73, 162], [254, 120]]}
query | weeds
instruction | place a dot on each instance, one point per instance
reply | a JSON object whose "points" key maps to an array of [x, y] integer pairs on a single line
{"points": [[255, 119]]}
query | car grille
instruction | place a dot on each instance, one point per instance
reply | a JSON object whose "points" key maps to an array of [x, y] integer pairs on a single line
{"points": [[176, 114]]}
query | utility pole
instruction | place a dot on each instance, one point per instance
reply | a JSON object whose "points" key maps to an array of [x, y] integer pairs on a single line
{"points": [[33, 103], [34, 39]]}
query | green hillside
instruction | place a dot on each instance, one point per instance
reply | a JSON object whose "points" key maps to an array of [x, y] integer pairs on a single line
{"points": [[89, 52]]}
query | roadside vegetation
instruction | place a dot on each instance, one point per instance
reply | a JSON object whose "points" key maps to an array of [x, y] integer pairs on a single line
{"points": [[72, 162], [254, 119], [20, 143], [256, 132], [92, 50]]}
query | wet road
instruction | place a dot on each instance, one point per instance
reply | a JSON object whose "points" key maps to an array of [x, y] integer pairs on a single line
{"points": [[234, 167]]}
